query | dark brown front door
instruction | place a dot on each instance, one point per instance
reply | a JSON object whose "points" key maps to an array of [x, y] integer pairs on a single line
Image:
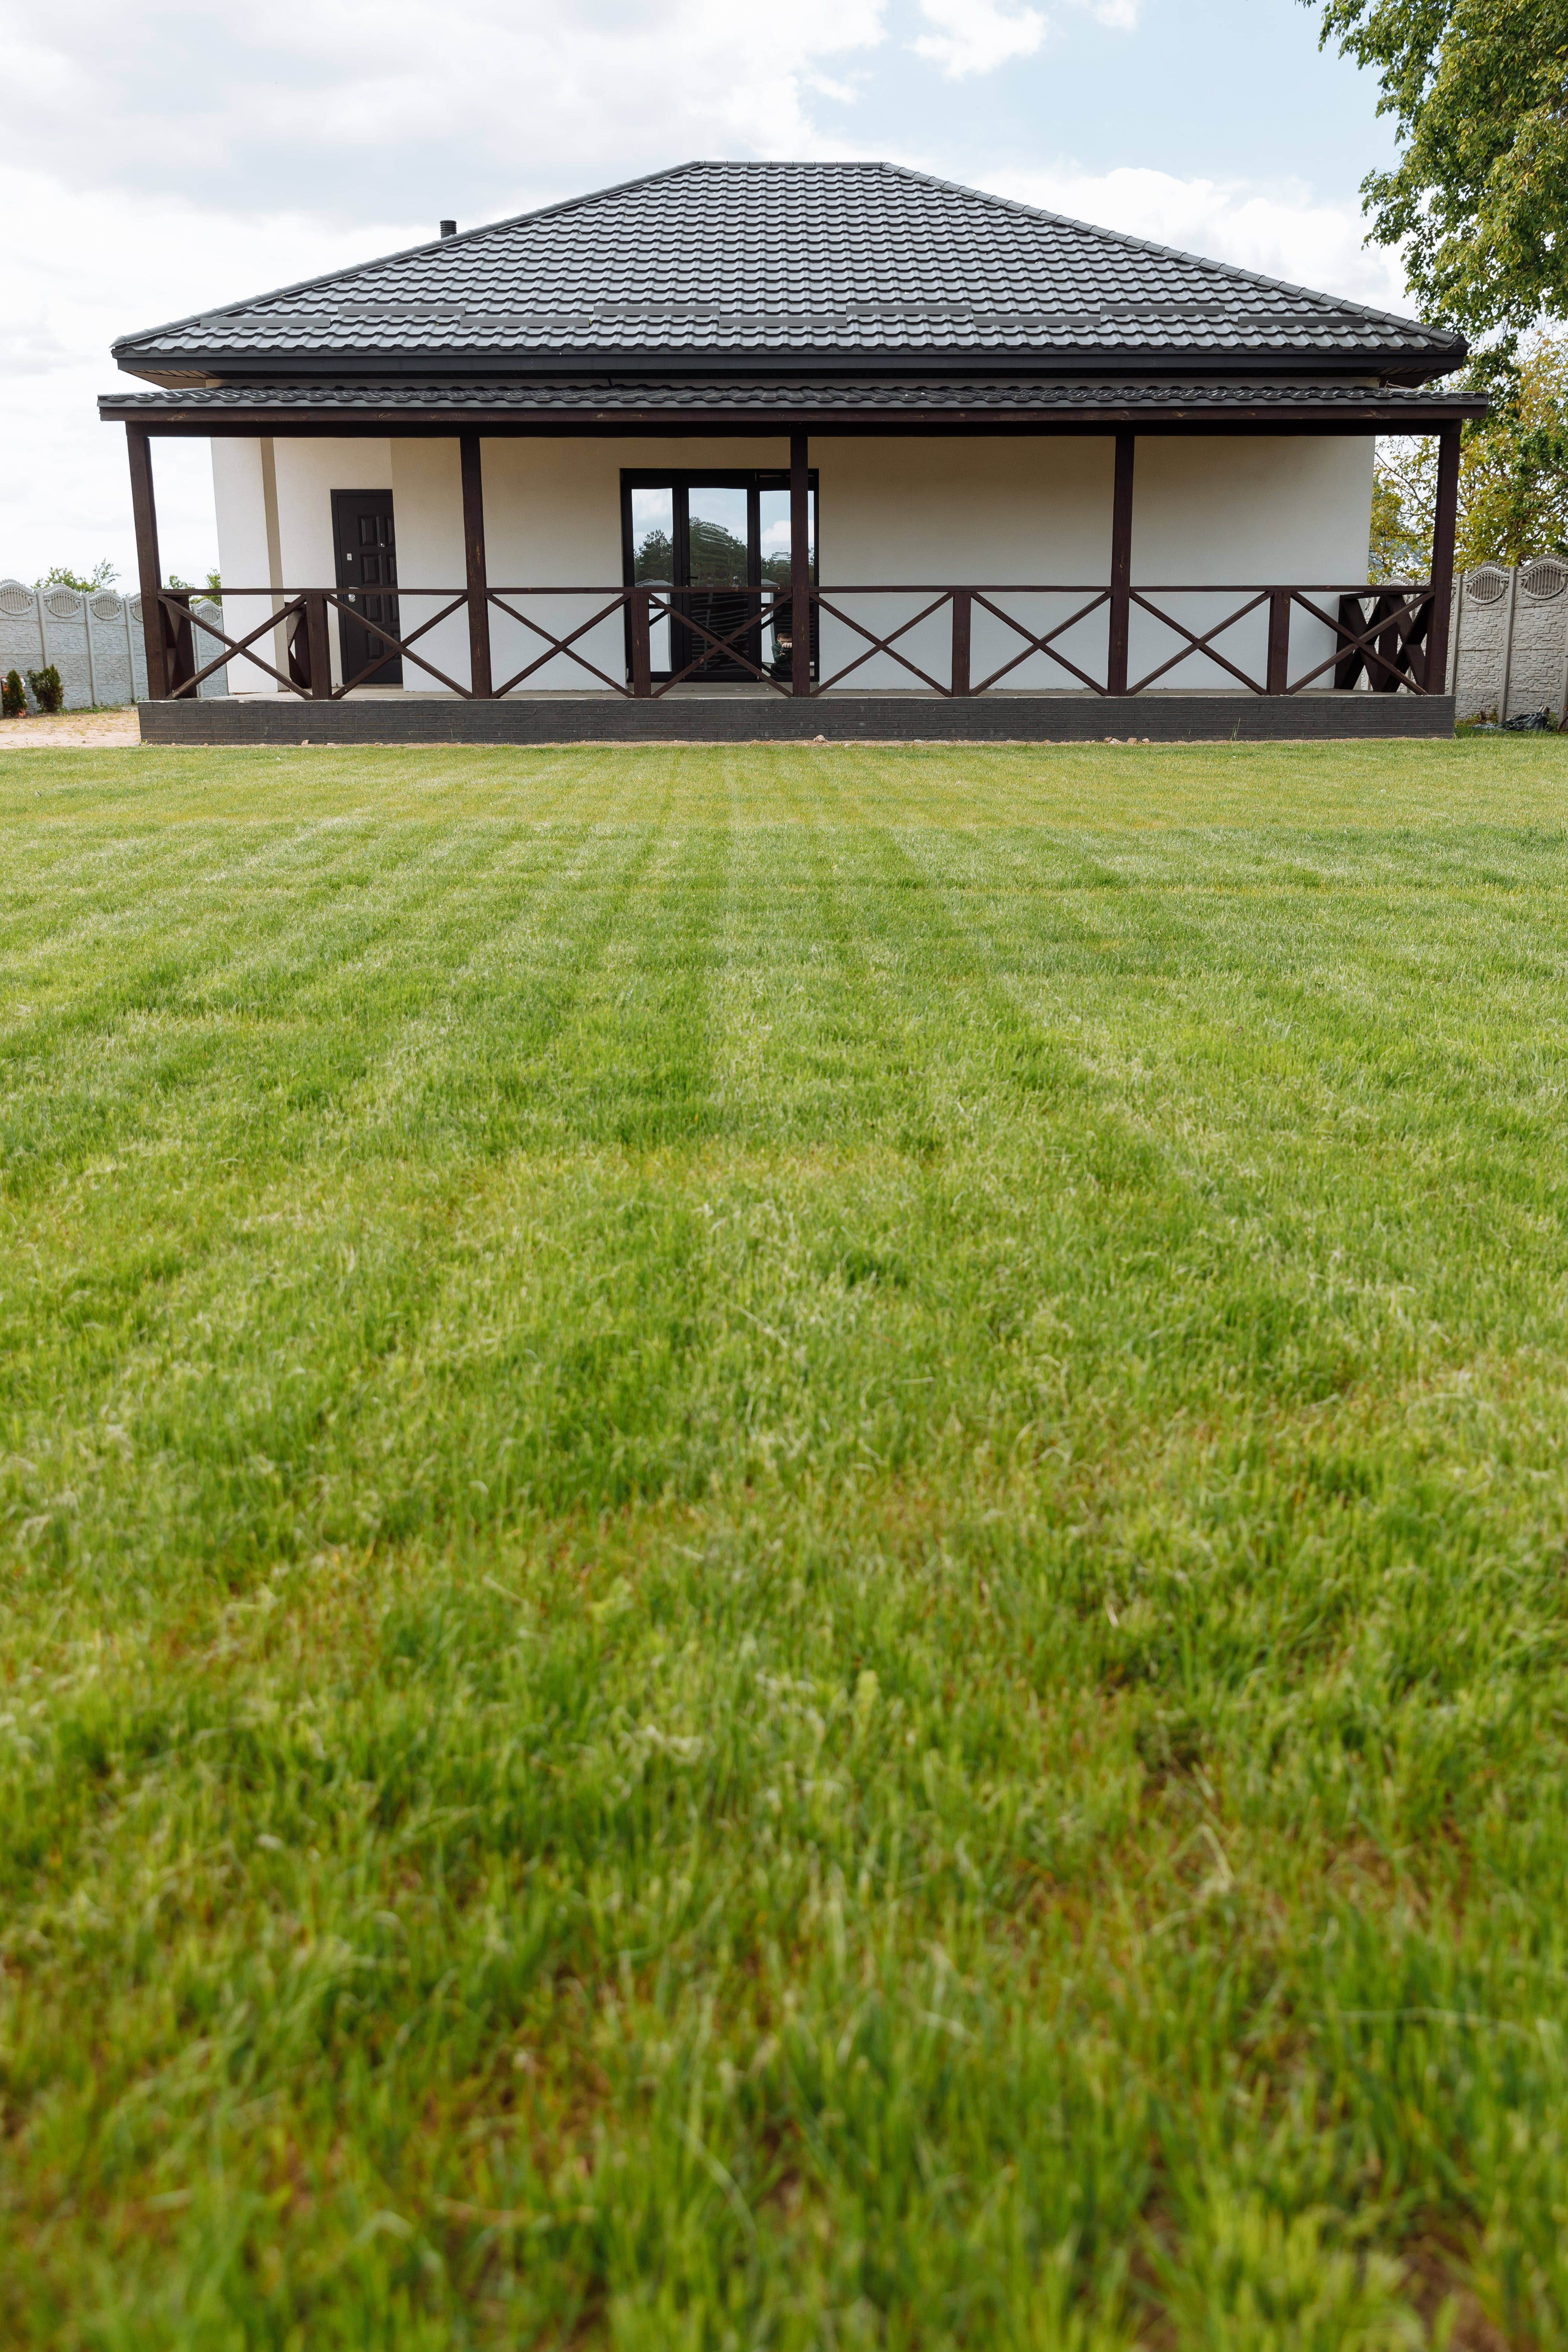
{"points": [[367, 568]]}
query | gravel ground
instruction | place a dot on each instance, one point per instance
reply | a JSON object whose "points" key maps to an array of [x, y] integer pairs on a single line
{"points": [[96, 727]]}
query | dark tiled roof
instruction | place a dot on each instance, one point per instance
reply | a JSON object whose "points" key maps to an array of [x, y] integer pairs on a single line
{"points": [[790, 395], [717, 265]]}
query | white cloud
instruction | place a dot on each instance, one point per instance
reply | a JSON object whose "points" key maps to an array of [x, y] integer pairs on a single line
{"points": [[81, 269], [975, 37], [1282, 230], [474, 107], [211, 160]]}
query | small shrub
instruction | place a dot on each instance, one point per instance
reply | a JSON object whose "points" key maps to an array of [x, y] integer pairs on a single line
{"points": [[47, 691], [12, 695]]}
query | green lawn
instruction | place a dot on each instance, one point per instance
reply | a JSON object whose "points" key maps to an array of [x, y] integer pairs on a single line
{"points": [[784, 1549]]}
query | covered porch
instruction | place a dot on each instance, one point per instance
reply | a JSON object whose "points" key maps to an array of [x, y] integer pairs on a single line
{"points": [[788, 626], [981, 470]]}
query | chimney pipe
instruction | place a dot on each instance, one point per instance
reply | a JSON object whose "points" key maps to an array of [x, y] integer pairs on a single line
{"points": [[448, 228]]}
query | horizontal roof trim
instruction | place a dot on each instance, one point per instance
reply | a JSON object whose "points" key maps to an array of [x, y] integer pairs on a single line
{"points": [[562, 402]]}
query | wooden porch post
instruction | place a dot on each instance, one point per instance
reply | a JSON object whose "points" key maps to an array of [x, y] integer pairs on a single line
{"points": [[150, 578], [799, 567], [480, 678], [963, 614], [1278, 679], [1120, 565], [1443, 524]]}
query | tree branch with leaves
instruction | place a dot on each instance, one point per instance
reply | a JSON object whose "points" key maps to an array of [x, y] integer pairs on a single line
{"points": [[1513, 479], [1478, 94]]}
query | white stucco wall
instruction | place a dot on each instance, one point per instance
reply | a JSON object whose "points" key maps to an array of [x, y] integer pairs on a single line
{"points": [[553, 518], [428, 517], [1289, 512], [297, 552], [242, 554], [989, 513], [1234, 512]]}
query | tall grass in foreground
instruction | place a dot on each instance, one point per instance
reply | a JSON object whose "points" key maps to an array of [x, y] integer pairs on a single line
{"points": [[784, 1549]]}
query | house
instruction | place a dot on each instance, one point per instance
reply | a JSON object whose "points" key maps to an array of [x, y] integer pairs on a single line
{"points": [[752, 450]]}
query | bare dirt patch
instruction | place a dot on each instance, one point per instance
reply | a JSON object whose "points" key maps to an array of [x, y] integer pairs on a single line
{"points": [[67, 730]]}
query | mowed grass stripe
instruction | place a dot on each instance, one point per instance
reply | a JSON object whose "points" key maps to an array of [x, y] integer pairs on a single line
{"points": [[790, 1568], [258, 1267]]}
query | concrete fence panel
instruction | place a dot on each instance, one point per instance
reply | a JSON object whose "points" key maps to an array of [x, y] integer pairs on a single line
{"points": [[1508, 640], [94, 640]]}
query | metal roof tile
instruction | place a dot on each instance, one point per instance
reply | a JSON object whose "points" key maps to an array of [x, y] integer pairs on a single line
{"points": [[831, 262]]}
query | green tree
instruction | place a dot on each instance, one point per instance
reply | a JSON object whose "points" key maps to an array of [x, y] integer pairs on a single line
{"points": [[717, 555], [1513, 471], [86, 583], [1479, 92], [655, 556], [1513, 479], [1401, 518]]}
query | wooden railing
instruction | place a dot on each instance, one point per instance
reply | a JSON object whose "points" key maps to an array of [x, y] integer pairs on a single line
{"points": [[1378, 638]]}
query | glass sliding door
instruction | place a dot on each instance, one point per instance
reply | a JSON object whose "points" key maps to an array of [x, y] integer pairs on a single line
{"points": [[719, 544], [719, 624], [774, 537], [651, 537]]}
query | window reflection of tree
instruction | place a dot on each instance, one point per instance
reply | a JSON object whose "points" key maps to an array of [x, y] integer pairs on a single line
{"points": [[718, 557], [655, 556]]}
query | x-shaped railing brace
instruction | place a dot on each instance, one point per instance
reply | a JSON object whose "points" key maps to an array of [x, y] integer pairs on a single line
{"points": [[1041, 644], [1196, 644], [1410, 611], [876, 645], [555, 646], [168, 599], [398, 645], [722, 645]]}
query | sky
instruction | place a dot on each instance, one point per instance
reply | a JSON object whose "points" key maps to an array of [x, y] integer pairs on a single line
{"points": [[167, 158]]}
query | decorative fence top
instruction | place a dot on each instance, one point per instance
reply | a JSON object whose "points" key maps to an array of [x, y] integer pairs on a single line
{"points": [[1509, 640], [93, 637], [17, 600], [1540, 581]]}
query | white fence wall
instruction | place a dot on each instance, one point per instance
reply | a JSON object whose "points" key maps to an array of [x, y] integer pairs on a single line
{"points": [[1508, 640], [94, 640]]}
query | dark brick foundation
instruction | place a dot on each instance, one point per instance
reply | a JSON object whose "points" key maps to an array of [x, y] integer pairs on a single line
{"points": [[749, 717]]}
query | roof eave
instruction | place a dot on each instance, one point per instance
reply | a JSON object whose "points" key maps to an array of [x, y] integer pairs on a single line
{"points": [[1381, 410], [172, 368]]}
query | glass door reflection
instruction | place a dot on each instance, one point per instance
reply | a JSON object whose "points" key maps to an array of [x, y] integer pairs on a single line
{"points": [[715, 635], [775, 570], [653, 561], [716, 545]]}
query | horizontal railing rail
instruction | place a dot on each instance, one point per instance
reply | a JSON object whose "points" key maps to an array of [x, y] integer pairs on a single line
{"points": [[1376, 640]]}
